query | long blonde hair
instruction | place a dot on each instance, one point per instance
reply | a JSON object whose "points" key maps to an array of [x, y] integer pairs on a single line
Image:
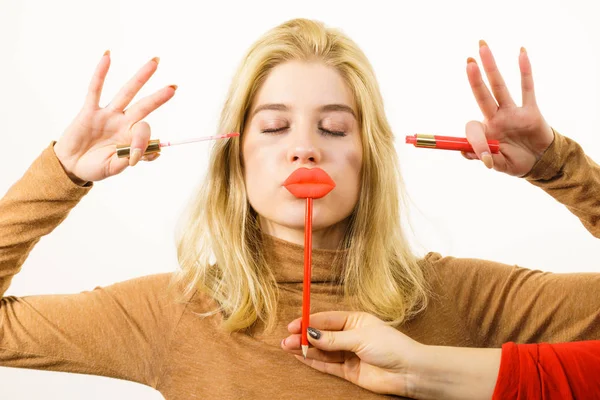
{"points": [[220, 248]]}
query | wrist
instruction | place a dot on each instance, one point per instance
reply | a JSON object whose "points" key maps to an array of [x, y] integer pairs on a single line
{"points": [[455, 373], [66, 166], [544, 143]]}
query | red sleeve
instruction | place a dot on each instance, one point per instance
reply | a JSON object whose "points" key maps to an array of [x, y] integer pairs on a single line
{"points": [[549, 371]]}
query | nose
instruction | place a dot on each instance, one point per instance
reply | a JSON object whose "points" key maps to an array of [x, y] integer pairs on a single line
{"points": [[303, 155], [304, 151]]}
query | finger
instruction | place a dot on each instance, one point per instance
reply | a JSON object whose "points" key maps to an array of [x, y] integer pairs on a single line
{"points": [[349, 340], [333, 320], [475, 131], [291, 344], [486, 102], [150, 157], [336, 369], [526, 79], [140, 133], [469, 155], [295, 326], [131, 88], [494, 77], [145, 106], [92, 98], [364, 375]]}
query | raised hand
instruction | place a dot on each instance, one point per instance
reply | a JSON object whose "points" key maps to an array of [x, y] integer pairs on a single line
{"points": [[523, 132], [87, 148]]}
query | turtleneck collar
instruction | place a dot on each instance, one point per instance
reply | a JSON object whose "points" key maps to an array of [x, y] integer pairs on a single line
{"points": [[286, 260]]}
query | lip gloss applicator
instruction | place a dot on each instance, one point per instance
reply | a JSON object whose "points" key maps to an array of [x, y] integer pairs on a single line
{"points": [[308, 183], [447, 142], [155, 145]]}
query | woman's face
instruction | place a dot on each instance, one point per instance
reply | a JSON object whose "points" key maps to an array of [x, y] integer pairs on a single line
{"points": [[304, 115]]}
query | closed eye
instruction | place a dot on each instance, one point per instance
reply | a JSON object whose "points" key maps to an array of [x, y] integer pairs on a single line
{"points": [[324, 131]]}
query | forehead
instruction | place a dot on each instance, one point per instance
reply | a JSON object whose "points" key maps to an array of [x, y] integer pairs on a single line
{"points": [[304, 84]]}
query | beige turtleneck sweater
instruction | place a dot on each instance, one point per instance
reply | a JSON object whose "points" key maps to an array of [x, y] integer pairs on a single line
{"points": [[134, 330]]}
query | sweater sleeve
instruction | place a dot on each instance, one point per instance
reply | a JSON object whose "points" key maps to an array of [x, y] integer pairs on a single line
{"points": [[33, 207], [499, 303], [549, 371], [120, 331], [572, 178]]}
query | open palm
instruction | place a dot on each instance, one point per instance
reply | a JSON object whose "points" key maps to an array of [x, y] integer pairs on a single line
{"points": [[87, 148], [523, 133]]}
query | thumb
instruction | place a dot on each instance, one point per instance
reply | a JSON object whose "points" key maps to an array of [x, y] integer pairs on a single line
{"points": [[335, 341], [475, 132], [140, 133], [140, 136]]}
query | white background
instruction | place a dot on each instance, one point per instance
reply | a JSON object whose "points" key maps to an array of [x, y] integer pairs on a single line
{"points": [[124, 227]]}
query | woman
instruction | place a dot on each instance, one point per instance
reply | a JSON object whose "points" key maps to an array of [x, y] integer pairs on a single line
{"points": [[304, 95]]}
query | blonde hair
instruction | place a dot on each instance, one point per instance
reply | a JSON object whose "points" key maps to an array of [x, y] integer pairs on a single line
{"points": [[220, 248]]}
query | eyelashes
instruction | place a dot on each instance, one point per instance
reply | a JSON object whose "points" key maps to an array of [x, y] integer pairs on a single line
{"points": [[325, 132]]}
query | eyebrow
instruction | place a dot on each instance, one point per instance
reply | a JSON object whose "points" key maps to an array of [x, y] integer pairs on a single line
{"points": [[283, 107]]}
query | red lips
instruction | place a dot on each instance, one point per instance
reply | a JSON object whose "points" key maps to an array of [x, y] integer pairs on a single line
{"points": [[309, 182]]}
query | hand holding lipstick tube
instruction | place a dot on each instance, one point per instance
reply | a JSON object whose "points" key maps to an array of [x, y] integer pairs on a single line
{"points": [[522, 130], [312, 183], [429, 141]]}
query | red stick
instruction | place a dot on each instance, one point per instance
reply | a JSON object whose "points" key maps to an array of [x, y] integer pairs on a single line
{"points": [[307, 274], [309, 184]]}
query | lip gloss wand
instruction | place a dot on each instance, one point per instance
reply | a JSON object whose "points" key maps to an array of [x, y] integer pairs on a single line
{"points": [[310, 184], [155, 145]]}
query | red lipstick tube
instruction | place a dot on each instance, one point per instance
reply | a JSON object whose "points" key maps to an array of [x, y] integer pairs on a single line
{"points": [[447, 142]]}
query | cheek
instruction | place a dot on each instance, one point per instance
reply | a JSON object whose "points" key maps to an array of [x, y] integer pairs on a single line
{"points": [[348, 163], [259, 173], [353, 162]]}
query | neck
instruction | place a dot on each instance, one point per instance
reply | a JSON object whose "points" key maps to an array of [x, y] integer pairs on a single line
{"points": [[325, 238]]}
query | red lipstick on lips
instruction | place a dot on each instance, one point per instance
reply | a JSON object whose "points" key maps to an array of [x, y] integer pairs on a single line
{"points": [[311, 183], [308, 183]]}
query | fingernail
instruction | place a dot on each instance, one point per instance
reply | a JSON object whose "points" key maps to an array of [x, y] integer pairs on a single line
{"points": [[487, 159], [107, 53], [523, 50], [283, 342], [471, 60], [174, 87], [314, 333], [482, 43], [156, 59], [151, 157], [135, 156]]}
